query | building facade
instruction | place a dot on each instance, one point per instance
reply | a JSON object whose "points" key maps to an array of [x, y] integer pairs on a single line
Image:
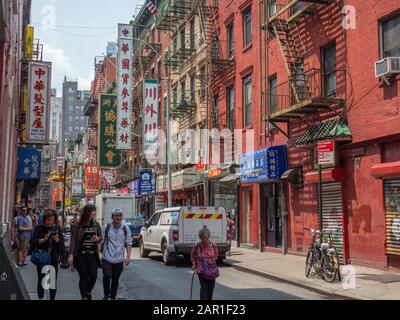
{"points": [[74, 120], [14, 17], [55, 119]]}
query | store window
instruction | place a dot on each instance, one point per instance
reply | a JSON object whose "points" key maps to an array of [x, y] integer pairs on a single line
{"points": [[392, 208]]}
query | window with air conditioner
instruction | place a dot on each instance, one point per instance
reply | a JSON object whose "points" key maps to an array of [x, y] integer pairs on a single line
{"points": [[230, 107], [391, 37]]}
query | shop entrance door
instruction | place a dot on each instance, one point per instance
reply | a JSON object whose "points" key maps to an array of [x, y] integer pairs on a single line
{"points": [[247, 208], [273, 215]]}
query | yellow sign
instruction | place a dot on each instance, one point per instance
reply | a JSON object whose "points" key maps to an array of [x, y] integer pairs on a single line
{"points": [[67, 202], [29, 42]]}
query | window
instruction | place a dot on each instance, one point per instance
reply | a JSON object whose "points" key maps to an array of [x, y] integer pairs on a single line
{"points": [[183, 38], [169, 218], [71, 98], [70, 119], [329, 70], [272, 8], [175, 44], [183, 89], [70, 90], [154, 219], [216, 111], [192, 89], [296, 7], [391, 37], [247, 101], [229, 33], [77, 120], [230, 107], [174, 95], [247, 27], [192, 35], [83, 119], [159, 69], [71, 108], [273, 97], [152, 73], [70, 129], [202, 80]]}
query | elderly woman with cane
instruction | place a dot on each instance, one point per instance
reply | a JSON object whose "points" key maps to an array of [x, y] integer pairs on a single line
{"points": [[204, 263]]}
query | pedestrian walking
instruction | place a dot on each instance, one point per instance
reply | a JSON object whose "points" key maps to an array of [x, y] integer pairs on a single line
{"points": [[47, 243], [232, 229], [24, 227], [41, 215], [15, 238], [117, 239], [84, 250], [204, 263]]}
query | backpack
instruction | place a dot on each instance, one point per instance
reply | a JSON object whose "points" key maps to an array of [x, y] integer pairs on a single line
{"points": [[108, 230]]}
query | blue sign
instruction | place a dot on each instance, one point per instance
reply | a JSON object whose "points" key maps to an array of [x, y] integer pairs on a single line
{"points": [[134, 187], [263, 165], [29, 164], [146, 182]]}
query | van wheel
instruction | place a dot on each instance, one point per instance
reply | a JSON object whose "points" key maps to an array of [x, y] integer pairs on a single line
{"points": [[143, 252], [221, 258], [168, 258]]}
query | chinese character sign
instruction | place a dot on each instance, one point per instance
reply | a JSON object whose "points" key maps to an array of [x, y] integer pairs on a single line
{"points": [[29, 164], [264, 165], [38, 102], [150, 114], [92, 178], [108, 155], [77, 186], [124, 114]]}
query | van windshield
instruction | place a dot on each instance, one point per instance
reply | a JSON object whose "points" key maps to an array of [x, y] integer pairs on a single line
{"points": [[169, 218]]}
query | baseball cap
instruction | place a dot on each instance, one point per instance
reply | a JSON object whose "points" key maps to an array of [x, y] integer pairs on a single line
{"points": [[116, 211]]}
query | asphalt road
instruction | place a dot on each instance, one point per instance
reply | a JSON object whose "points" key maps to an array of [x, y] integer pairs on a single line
{"points": [[147, 279]]}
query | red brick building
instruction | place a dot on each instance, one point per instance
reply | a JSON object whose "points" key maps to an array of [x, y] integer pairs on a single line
{"points": [[314, 80], [14, 17]]}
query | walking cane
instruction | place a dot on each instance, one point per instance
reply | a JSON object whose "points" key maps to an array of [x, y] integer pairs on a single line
{"points": [[191, 287]]}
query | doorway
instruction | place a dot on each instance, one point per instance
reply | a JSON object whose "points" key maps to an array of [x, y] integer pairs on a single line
{"points": [[247, 210], [273, 215]]}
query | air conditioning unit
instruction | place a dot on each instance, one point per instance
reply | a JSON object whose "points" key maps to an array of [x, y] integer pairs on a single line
{"points": [[387, 67]]}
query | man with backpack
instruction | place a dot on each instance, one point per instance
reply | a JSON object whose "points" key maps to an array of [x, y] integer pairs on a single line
{"points": [[116, 239]]}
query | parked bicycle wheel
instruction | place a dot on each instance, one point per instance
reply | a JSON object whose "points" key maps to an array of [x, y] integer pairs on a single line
{"points": [[309, 262], [329, 268]]}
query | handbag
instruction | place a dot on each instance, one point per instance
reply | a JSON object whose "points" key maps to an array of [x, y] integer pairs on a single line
{"points": [[210, 271], [42, 257]]}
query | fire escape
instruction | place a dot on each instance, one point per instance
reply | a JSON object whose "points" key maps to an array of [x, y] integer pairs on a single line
{"points": [[308, 90]]}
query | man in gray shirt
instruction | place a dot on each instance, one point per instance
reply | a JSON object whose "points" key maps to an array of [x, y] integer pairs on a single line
{"points": [[116, 239], [25, 227]]}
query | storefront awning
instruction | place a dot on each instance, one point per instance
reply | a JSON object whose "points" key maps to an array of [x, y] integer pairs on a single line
{"points": [[292, 175], [231, 177], [329, 129], [328, 175], [388, 170]]}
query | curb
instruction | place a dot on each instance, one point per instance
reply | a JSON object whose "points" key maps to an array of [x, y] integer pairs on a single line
{"points": [[288, 281]]}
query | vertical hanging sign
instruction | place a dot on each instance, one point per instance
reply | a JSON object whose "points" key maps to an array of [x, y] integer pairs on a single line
{"points": [[124, 114], [108, 155], [150, 114], [38, 111]]}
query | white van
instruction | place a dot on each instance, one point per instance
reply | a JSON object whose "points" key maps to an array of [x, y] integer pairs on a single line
{"points": [[174, 231]]}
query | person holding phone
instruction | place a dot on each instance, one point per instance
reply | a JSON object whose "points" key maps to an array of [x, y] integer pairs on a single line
{"points": [[47, 237], [84, 250]]}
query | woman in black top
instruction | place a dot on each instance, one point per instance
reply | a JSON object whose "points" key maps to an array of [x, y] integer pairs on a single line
{"points": [[84, 250], [48, 237]]}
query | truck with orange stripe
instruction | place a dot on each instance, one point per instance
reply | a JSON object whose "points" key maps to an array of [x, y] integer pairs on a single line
{"points": [[174, 231]]}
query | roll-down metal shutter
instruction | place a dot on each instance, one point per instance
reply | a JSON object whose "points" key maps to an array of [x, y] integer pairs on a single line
{"points": [[392, 208], [332, 214]]}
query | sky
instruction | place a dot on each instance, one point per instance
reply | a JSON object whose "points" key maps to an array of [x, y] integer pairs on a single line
{"points": [[73, 32]]}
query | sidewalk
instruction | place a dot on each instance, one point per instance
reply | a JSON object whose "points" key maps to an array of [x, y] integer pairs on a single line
{"points": [[68, 284], [370, 283]]}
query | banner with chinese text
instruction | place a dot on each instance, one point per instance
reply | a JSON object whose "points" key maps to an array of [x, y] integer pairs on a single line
{"points": [[38, 111], [108, 155], [92, 179], [150, 114], [28, 164], [124, 114]]}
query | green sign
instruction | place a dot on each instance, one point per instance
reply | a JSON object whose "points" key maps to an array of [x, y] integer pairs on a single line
{"points": [[108, 155]]}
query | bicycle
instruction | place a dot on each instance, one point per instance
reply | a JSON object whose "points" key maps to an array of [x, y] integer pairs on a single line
{"points": [[322, 256]]}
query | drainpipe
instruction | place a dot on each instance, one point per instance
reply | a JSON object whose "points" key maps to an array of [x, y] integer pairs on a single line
{"points": [[261, 218], [260, 26]]}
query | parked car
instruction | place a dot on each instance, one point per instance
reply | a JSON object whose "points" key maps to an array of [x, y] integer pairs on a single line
{"points": [[135, 226], [174, 231]]}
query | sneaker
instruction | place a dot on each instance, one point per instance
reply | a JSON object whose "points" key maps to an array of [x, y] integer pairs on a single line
{"points": [[89, 296], [105, 298]]}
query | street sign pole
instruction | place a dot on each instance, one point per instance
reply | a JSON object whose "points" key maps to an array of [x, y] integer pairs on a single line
{"points": [[320, 196], [64, 187]]}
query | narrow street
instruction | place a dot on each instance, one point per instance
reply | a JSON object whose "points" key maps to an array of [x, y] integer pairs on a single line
{"points": [[150, 279]]}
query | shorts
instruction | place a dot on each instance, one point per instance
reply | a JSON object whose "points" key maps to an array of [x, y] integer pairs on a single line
{"points": [[23, 244]]}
